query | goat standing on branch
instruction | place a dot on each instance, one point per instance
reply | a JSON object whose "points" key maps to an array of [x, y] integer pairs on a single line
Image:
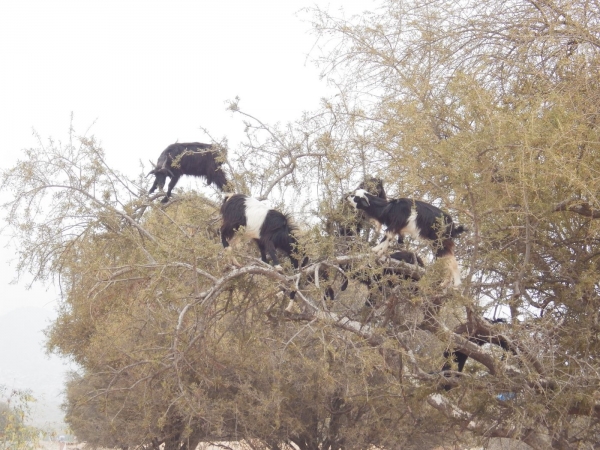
{"points": [[270, 229], [195, 158], [339, 223], [406, 216], [481, 333]]}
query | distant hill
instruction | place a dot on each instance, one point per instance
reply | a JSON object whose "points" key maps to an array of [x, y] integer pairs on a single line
{"points": [[25, 365]]}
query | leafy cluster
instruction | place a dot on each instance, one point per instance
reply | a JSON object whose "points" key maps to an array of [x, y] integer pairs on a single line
{"points": [[14, 410], [486, 109]]}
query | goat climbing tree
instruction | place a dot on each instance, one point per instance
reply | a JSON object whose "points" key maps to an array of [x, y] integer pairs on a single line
{"points": [[486, 109]]}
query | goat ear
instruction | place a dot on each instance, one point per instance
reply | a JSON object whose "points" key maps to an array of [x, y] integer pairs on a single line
{"points": [[153, 171]]}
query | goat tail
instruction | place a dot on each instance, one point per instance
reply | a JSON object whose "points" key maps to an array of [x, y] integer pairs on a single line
{"points": [[458, 230]]}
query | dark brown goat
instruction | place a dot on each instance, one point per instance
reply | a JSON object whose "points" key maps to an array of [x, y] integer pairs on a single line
{"points": [[480, 333], [194, 158]]}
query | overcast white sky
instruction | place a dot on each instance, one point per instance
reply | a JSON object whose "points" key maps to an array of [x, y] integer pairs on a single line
{"points": [[146, 74]]}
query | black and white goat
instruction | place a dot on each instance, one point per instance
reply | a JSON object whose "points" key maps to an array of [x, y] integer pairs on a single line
{"points": [[419, 219], [342, 225], [194, 158], [269, 228]]}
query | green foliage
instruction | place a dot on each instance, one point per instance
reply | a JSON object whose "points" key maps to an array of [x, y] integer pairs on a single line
{"points": [[14, 409]]}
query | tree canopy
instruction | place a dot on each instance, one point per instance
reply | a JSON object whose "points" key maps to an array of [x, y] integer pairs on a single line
{"points": [[486, 109]]}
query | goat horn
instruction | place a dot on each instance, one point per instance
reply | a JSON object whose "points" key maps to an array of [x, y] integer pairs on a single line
{"points": [[153, 165]]}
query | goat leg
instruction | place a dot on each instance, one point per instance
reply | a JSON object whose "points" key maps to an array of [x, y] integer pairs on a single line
{"points": [[270, 247], [385, 243], [172, 184]]}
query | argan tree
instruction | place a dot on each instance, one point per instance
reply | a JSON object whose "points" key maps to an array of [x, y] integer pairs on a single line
{"points": [[485, 109]]}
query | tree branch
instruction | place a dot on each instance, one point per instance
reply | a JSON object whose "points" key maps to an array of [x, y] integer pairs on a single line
{"points": [[578, 207]]}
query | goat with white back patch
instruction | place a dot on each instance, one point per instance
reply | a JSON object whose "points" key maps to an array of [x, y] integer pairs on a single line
{"points": [[404, 216], [269, 228], [194, 158]]}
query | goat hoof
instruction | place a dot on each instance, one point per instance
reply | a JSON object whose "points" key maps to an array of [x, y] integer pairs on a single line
{"points": [[278, 268], [378, 250], [290, 306], [165, 200]]}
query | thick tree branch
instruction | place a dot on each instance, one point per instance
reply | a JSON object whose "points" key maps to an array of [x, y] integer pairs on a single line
{"points": [[579, 207]]}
